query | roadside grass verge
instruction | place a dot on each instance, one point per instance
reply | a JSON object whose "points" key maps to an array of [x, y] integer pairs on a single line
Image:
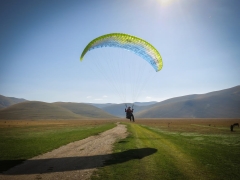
{"points": [[217, 155], [21, 140], [159, 165], [183, 154]]}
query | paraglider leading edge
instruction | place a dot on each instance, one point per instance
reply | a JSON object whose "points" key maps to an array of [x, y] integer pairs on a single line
{"points": [[132, 43]]}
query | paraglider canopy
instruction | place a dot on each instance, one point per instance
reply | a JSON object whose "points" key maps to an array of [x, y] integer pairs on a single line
{"points": [[128, 42], [126, 74]]}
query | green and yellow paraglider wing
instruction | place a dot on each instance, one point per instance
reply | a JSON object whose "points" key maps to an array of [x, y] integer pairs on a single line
{"points": [[128, 42]]}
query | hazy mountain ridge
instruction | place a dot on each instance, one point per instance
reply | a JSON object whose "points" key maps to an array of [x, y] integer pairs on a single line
{"points": [[100, 105], [119, 109], [8, 101], [145, 103], [84, 110], [217, 104], [123, 104], [34, 110]]}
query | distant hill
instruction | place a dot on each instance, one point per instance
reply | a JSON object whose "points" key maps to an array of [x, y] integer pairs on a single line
{"points": [[85, 110], [8, 101], [100, 105], [33, 110], [145, 103], [103, 106], [119, 109], [218, 104]]}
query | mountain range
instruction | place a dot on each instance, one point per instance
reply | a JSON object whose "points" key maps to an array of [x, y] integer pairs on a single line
{"points": [[33, 110], [218, 104], [8, 101]]}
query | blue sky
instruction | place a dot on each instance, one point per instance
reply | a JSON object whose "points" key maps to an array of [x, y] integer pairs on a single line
{"points": [[41, 42]]}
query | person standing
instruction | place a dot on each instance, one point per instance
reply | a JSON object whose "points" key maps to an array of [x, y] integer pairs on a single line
{"points": [[129, 114]]}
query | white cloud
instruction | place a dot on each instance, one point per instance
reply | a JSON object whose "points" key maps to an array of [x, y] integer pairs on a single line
{"points": [[89, 97]]}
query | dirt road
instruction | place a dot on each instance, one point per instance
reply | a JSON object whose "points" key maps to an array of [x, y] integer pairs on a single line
{"points": [[76, 160]]}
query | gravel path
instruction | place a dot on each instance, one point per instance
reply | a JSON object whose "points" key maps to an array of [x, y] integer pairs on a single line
{"points": [[76, 160]]}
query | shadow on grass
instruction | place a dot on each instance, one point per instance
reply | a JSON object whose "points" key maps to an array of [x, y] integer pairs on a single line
{"points": [[37, 166], [123, 141]]}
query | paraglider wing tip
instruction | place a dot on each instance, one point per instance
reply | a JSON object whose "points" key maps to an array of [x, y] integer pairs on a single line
{"points": [[81, 58]]}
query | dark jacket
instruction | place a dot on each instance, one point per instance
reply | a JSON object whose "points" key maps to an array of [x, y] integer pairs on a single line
{"points": [[128, 111]]}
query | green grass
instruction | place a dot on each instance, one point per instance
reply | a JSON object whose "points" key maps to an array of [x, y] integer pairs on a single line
{"points": [[175, 155], [19, 143], [154, 149]]}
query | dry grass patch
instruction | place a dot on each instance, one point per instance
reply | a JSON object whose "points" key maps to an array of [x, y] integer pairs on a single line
{"points": [[201, 126]]}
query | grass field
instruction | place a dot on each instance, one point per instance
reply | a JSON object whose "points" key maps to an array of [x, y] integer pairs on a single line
{"points": [[154, 149], [176, 149], [21, 140]]}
